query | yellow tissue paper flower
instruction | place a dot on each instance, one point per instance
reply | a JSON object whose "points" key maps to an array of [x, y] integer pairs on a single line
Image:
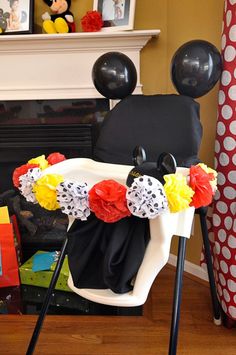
{"points": [[41, 161], [178, 193], [45, 191]]}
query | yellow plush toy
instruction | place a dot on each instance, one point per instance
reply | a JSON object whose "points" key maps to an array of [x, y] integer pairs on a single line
{"points": [[61, 20]]}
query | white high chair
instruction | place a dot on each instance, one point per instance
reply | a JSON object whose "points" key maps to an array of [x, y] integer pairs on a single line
{"points": [[162, 228]]}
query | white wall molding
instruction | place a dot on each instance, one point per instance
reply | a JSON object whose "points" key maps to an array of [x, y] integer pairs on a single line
{"points": [[191, 268], [57, 66]]}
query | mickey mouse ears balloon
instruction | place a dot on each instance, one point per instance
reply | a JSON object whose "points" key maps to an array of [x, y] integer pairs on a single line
{"points": [[114, 75], [195, 68]]}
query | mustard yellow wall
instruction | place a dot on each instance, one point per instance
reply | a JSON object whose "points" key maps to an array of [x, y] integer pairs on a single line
{"points": [[179, 22]]}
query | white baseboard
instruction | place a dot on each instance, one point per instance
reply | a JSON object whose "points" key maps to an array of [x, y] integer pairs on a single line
{"points": [[191, 268]]}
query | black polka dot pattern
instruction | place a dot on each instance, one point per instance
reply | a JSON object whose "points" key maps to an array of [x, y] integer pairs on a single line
{"points": [[27, 182], [146, 197], [73, 199]]}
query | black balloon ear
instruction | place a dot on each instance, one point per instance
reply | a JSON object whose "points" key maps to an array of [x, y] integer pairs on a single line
{"points": [[195, 68], [139, 155], [166, 164], [114, 75]]}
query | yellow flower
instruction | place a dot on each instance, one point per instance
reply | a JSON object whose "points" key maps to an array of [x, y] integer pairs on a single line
{"points": [[178, 193], [41, 161], [208, 170], [45, 191]]}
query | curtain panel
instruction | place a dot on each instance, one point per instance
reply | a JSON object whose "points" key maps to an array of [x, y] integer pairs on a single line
{"points": [[221, 219]]}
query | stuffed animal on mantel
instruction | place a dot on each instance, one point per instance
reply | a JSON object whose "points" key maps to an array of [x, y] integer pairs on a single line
{"points": [[61, 20]]}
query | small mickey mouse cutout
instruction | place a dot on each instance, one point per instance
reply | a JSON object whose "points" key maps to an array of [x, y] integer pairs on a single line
{"points": [[139, 155], [166, 164]]}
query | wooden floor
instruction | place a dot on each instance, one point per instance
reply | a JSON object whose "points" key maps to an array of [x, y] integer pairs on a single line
{"points": [[144, 335]]}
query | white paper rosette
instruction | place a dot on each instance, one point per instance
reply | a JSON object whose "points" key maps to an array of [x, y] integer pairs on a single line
{"points": [[146, 197], [27, 182], [73, 199]]}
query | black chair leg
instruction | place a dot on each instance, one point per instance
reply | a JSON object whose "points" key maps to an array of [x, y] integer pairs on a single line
{"points": [[46, 302], [215, 303], [177, 296]]}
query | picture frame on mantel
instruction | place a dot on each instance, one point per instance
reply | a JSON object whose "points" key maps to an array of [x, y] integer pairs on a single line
{"points": [[16, 16], [117, 15]]}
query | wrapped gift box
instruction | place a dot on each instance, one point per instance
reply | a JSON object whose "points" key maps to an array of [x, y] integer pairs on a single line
{"points": [[43, 278]]}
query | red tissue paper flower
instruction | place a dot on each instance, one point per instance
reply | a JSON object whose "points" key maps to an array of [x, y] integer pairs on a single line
{"points": [[107, 199], [200, 183], [21, 170], [55, 158], [92, 21]]}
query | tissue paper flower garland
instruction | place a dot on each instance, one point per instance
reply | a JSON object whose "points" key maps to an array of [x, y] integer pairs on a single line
{"points": [[25, 177], [110, 200], [73, 199], [23, 169], [107, 199], [45, 191], [178, 193], [203, 186], [146, 197], [27, 182]]}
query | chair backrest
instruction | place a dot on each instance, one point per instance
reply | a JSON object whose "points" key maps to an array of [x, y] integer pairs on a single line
{"points": [[158, 123]]}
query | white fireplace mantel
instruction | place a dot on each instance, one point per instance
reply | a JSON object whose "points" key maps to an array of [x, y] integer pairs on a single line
{"points": [[59, 66]]}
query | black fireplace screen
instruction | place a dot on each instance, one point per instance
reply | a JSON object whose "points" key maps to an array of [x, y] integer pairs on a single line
{"points": [[31, 128]]}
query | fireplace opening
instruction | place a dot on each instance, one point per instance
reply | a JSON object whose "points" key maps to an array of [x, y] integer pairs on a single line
{"points": [[35, 127]]}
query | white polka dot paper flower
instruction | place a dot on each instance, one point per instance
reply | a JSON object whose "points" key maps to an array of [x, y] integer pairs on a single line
{"points": [[27, 182], [146, 197], [73, 199]]}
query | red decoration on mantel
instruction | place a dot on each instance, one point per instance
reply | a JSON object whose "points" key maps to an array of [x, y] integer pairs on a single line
{"points": [[92, 21]]}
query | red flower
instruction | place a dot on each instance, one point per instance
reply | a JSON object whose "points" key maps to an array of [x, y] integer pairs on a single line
{"points": [[200, 183], [107, 199], [92, 21], [55, 158], [21, 170]]}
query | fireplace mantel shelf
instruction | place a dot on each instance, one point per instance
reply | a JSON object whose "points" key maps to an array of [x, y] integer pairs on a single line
{"points": [[77, 40], [43, 66]]}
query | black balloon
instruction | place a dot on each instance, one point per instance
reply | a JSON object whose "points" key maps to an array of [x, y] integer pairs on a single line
{"points": [[114, 75], [195, 68]]}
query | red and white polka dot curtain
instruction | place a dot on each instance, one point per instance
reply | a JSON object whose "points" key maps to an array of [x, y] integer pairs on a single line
{"points": [[222, 221]]}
